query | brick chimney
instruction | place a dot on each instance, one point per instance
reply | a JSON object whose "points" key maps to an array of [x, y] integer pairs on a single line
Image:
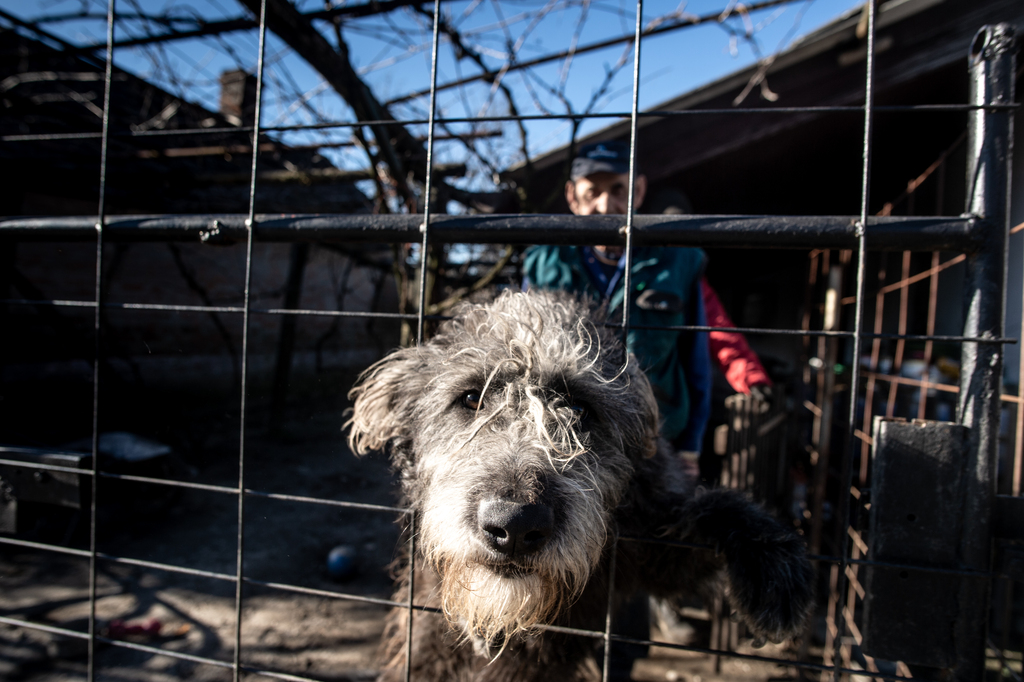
{"points": [[238, 96]]}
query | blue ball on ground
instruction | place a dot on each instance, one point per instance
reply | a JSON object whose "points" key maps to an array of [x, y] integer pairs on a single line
{"points": [[341, 562]]}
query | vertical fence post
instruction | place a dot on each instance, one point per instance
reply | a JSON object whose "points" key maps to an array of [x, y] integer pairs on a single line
{"points": [[250, 228], [97, 366], [990, 139]]}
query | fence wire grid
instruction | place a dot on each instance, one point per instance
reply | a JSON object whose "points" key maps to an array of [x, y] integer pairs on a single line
{"points": [[838, 413]]}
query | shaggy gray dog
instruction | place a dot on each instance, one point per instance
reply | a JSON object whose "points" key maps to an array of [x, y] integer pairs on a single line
{"points": [[527, 444]]}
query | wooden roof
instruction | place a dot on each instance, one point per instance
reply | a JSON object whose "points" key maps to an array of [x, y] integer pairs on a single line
{"points": [[810, 162]]}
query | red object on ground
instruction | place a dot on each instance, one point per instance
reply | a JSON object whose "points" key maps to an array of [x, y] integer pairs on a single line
{"points": [[119, 629]]}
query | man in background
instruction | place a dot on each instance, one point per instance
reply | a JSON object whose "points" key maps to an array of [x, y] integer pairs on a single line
{"points": [[665, 285], [669, 289]]}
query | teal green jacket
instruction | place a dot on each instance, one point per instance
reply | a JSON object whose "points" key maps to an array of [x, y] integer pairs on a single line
{"points": [[665, 285]]}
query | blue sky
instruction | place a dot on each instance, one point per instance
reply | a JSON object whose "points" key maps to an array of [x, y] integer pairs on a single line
{"points": [[394, 52]]}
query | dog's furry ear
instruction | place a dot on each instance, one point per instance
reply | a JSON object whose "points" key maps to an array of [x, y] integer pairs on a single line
{"points": [[380, 413]]}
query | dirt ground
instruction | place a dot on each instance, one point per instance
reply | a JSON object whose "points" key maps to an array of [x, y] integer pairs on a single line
{"points": [[286, 542]]}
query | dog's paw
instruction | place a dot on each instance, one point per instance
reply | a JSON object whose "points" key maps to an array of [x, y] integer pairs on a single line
{"points": [[771, 584]]}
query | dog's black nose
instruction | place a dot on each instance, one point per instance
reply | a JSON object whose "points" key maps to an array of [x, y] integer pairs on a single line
{"points": [[515, 529]]}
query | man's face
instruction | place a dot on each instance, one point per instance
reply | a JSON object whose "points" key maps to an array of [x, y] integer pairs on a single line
{"points": [[604, 194]]}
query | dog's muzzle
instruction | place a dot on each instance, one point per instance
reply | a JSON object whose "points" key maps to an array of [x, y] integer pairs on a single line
{"points": [[513, 529]]}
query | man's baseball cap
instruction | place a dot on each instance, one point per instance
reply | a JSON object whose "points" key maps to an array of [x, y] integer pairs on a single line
{"points": [[610, 156]]}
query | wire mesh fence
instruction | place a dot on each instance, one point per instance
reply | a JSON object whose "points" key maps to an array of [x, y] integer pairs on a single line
{"points": [[811, 455]]}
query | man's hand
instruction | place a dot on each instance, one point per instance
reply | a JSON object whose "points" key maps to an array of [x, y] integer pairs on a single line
{"points": [[691, 463]]}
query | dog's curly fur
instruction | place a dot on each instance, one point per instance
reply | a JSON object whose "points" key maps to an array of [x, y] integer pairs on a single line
{"points": [[530, 403]]}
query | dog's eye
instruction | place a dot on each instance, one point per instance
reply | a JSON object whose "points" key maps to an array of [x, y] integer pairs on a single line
{"points": [[471, 400], [580, 409], [558, 400]]}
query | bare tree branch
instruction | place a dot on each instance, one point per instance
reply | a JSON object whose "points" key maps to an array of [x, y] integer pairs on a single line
{"points": [[485, 281], [399, 149], [218, 27], [462, 51], [765, 63], [600, 45]]}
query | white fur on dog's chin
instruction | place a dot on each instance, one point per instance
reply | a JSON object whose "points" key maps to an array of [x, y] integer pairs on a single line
{"points": [[492, 608]]}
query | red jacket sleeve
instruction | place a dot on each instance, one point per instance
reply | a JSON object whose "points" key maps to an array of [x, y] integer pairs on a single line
{"points": [[730, 350]]}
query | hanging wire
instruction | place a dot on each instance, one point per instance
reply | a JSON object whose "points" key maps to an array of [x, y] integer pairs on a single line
{"points": [[421, 313], [608, 616], [195, 132], [250, 227], [627, 230], [631, 195], [858, 333], [108, 79], [427, 187]]}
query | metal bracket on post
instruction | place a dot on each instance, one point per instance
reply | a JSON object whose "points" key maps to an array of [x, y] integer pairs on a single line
{"points": [[916, 502], [990, 141]]}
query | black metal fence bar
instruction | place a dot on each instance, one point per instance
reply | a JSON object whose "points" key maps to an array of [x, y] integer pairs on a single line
{"points": [[438, 318], [990, 143], [625, 231], [170, 568], [17, 622], [739, 231], [216, 309], [426, 235], [194, 132], [846, 467], [595, 634], [163, 652], [13, 542], [174, 308], [333, 503], [894, 109], [250, 225], [826, 333], [344, 313], [856, 109], [377, 601], [261, 672], [170, 483], [108, 78], [46, 467], [55, 303], [821, 558]]}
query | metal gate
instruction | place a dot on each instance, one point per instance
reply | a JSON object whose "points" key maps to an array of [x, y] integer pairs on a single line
{"points": [[868, 564]]}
